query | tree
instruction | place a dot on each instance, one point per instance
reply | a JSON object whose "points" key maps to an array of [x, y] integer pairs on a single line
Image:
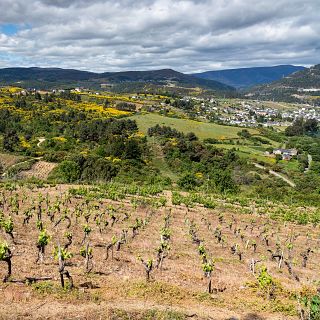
{"points": [[191, 136], [223, 181], [37, 96], [11, 140], [315, 166], [244, 133], [124, 106], [187, 181], [311, 126], [296, 129], [301, 126], [69, 170], [132, 150]]}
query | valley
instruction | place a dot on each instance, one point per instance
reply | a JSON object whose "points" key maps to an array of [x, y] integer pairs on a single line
{"points": [[141, 205], [159, 160]]}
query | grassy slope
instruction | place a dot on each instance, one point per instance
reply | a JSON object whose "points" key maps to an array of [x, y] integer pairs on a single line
{"points": [[202, 129], [160, 163], [248, 151]]}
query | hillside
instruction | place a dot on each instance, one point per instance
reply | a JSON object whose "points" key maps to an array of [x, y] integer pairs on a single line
{"points": [[112, 211], [9, 75], [51, 77], [305, 79], [248, 77], [107, 233], [203, 130], [300, 86]]}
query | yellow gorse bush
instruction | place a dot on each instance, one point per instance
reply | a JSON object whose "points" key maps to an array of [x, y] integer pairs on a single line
{"points": [[24, 143], [60, 139]]}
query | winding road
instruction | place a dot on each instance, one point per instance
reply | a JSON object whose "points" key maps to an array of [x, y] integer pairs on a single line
{"points": [[41, 140], [276, 174]]}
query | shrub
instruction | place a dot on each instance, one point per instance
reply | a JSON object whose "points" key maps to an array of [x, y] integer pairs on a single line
{"points": [[69, 171]]}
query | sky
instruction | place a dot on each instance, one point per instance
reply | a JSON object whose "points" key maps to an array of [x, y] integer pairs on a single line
{"points": [[188, 36]]}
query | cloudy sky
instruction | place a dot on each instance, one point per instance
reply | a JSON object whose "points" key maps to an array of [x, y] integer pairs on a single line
{"points": [[189, 36]]}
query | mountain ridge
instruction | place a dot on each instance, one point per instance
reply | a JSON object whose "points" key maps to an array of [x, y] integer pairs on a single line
{"points": [[51, 75], [243, 78], [296, 87]]}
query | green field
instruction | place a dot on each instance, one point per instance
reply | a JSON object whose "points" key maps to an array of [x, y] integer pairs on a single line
{"points": [[202, 129], [248, 152]]}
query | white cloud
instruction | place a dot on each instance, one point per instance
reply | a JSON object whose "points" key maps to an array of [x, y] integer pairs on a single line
{"points": [[185, 35]]}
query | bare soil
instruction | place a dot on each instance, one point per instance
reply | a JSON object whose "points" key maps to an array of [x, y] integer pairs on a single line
{"points": [[116, 288], [40, 170]]}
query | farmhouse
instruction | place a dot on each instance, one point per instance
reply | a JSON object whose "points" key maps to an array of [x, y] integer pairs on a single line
{"points": [[287, 154]]}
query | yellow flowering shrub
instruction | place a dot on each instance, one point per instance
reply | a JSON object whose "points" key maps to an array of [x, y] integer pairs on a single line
{"points": [[60, 139], [199, 175], [24, 143]]}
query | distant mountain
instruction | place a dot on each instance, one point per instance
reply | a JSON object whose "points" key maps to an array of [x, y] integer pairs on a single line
{"points": [[164, 75], [306, 79], [248, 77], [55, 76], [299, 86], [43, 74]]}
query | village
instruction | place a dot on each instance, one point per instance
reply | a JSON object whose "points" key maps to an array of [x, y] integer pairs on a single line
{"points": [[251, 113]]}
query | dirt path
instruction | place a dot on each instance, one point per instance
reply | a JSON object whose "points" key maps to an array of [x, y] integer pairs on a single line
{"points": [[41, 140], [309, 163], [160, 163], [19, 163], [276, 174]]}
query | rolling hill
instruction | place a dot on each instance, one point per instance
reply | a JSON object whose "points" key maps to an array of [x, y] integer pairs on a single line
{"points": [[303, 85], [43, 74], [164, 75], [304, 79], [44, 77], [248, 77]]}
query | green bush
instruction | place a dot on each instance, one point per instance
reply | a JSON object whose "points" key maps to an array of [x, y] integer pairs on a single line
{"points": [[69, 171]]}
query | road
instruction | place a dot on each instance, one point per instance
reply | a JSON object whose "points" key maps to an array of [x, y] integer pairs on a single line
{"points": [[276, 174], [309, 163], [41, 140]]}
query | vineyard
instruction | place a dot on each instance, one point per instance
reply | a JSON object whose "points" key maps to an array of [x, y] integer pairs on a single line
{"points": [[144, 253]]}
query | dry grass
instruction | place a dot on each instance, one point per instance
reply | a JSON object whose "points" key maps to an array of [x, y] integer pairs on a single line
{"points": [[179, 287], [8, 160]]}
